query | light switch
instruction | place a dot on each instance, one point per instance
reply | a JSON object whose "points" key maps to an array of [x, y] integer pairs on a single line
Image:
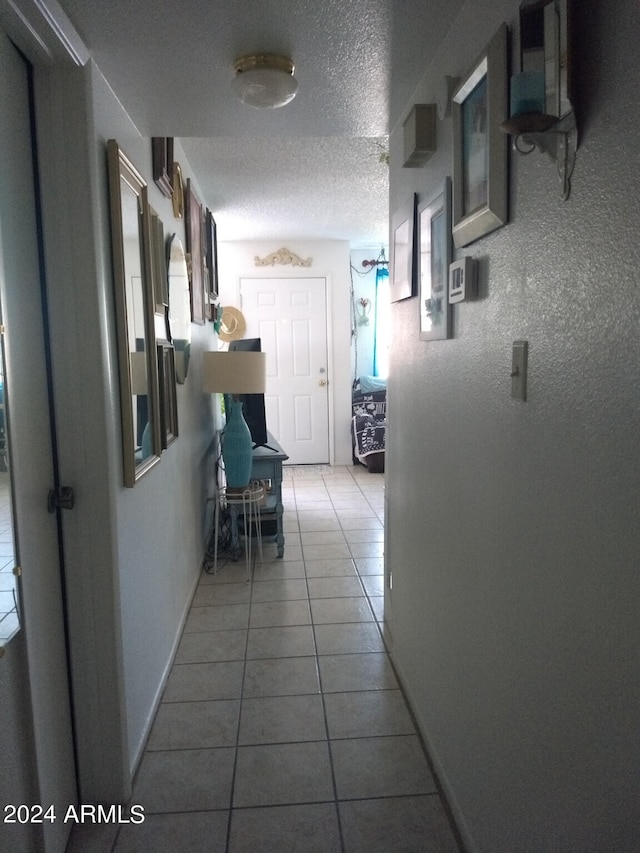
{"points": [[519, 360]]}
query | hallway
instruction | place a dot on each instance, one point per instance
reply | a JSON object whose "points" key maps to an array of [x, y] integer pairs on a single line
{"points": [[282, 726]]}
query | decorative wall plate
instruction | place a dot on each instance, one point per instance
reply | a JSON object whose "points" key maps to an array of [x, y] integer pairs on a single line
{"points": [[284, 257]]}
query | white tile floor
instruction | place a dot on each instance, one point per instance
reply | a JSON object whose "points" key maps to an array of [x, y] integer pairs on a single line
{"points": [[282, 726]]}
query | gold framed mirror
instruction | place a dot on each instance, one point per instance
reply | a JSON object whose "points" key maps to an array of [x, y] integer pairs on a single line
{"points": [[134, 300]]}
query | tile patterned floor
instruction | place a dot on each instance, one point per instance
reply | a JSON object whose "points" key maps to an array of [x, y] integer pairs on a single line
{"points": [[282, 726], [9, 620]]}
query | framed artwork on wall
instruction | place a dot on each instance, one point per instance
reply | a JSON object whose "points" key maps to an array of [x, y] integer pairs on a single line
{"points": [[168, 396], [479, 146], [433, 259], [195, 249], [403, 234], [211, 256], [162, 163], [158, 264], [177, 194]]}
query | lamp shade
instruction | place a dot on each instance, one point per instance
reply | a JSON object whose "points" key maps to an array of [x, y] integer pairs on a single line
{"points": [[265, 81], [236, 372]]}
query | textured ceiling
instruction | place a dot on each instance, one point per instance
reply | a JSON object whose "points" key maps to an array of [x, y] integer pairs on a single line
{"points": [[309, 169], [322, 188]]}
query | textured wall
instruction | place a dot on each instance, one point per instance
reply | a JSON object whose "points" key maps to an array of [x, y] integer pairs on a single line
{"points": [[512, 527]]}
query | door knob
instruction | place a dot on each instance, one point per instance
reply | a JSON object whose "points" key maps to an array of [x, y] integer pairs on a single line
{"points": [[322, 383]]}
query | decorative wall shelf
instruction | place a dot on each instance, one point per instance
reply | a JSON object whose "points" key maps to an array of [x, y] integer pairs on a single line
{"points": [[542, 113], [556, 137], [283, 257]]}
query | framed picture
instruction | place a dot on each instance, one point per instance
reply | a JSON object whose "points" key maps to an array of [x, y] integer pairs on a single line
{"points": [[159, 264], [162, 163], [177, 194], [211, 256], [168, 396], [479, 145], [195, 232], [434, 257], [403, 228]]}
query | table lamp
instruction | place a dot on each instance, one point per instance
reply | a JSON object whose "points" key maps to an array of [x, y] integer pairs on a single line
{"points": [[234, 373]]}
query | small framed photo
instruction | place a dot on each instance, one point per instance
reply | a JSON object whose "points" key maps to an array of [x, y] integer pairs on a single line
{"points": [[177, 191], [162, 163], [195, 234], [211, 255], [403, 234], [434, 257], [168, 397], [479, 145], [159, 264]]}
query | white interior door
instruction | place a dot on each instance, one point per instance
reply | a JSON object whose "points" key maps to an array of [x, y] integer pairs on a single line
{"points": [[46, 712], [290, 316]]}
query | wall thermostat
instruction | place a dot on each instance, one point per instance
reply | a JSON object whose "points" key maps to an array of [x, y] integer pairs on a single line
{"points": [[462, 280]]}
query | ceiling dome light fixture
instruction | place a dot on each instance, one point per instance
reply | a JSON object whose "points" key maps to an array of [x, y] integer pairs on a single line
{"points": [[265, 80]]}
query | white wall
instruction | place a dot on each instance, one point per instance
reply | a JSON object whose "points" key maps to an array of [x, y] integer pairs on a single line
{"points": [[512, 529], [330, 260], [364, 287], [162, 522]]}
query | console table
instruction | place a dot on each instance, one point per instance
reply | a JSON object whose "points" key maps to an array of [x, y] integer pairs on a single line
{"points": [[267, 465]]}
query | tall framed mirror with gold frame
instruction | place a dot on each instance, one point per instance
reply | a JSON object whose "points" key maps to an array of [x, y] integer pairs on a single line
{"points": [[134, 301]]}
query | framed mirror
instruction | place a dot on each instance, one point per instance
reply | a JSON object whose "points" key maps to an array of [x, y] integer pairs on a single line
{"points": [[179, 306], [134, 298]]}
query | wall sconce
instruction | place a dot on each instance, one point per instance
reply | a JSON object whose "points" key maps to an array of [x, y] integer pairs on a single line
{"points": [[363, 307], [542, 114]]}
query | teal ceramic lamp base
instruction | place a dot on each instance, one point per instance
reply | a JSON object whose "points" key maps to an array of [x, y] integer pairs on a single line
{"points": [[237, 449]]}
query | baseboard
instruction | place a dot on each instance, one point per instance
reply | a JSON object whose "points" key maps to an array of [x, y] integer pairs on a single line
{"points": [[464, 835], [137, 758]]}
